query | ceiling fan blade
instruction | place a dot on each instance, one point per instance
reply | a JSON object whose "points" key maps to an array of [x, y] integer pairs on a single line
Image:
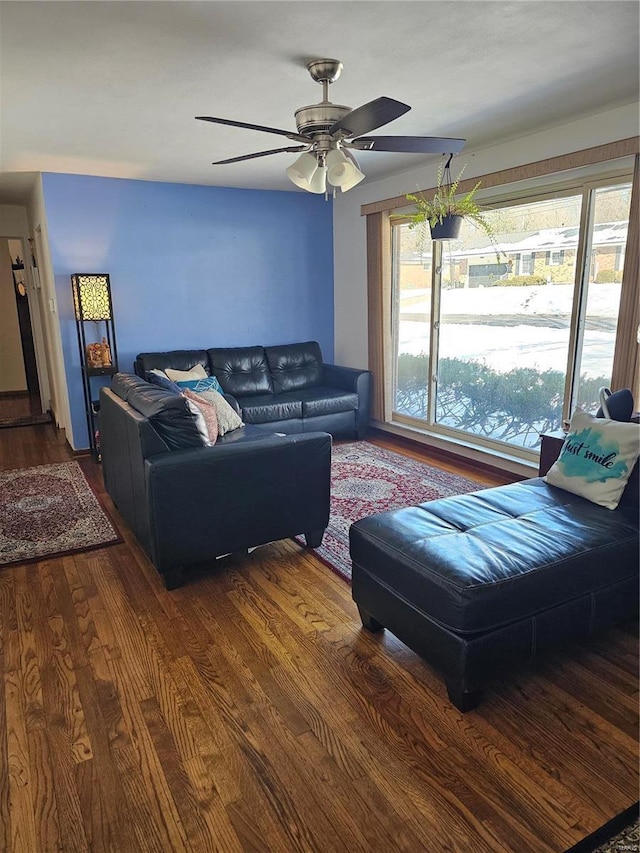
{"points": [[409, 144], [297, 137], [260, 154], [369, 117]]}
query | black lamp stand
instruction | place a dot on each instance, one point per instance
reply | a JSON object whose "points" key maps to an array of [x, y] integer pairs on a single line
{"points": [[97, 343]]}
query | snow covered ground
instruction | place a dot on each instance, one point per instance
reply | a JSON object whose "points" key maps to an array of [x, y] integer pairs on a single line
{"points": [[508, 327]]}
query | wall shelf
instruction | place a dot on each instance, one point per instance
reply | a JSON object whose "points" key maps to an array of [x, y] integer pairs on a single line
{"points": [[101, 371]]}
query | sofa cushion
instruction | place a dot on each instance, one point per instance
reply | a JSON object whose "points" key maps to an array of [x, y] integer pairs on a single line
{"points": [[124, 384], [167, 412], [242, 371], [295, 366], [478, 561], [268, 408], [179, 359], [325, 401]]}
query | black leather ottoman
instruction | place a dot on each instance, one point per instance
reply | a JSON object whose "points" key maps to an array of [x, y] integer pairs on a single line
{"points": [[477, 583]]}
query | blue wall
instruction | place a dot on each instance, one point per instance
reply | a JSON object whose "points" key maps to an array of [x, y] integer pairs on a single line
{"points": [[190, 266]]}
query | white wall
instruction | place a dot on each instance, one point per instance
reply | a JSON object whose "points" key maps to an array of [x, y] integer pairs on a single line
{"points": [[13, 221], [350, 259], [50, 326]]}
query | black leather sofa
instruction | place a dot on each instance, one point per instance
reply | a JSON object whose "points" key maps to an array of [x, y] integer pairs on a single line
{"points": [[288, 388], [479, 583], [188, 503]]}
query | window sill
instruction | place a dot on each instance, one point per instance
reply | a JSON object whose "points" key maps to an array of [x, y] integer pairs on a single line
{"points": [[480, 456]]}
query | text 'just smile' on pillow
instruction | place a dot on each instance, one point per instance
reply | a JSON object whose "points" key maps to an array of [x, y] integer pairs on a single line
{"points": [[596, 459]]}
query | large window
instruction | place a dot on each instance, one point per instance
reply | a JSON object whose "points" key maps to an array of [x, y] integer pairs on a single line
{"points": [[502, 347]]}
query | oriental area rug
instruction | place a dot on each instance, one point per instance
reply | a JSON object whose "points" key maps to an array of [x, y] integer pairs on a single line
{"points": [[50, 510], [366, 479]]}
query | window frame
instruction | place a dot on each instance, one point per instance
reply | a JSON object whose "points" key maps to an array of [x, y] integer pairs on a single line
{"points": [[508, 195]]}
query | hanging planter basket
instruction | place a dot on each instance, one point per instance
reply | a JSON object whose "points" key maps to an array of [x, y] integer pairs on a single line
{"points": [[448, 229]]}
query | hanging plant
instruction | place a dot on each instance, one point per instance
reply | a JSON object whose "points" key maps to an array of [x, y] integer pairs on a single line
{"points": [[445, 210]]}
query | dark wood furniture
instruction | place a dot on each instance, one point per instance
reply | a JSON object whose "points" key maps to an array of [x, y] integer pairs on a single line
{"points": [[550, 449]]}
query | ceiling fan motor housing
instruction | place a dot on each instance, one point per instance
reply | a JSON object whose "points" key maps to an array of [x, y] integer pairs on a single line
{"points": [[318, 118]]}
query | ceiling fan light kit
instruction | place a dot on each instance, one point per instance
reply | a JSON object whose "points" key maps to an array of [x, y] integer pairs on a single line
{"points": [[302, 171], [341, 171], [318, 183], [327, 131]]}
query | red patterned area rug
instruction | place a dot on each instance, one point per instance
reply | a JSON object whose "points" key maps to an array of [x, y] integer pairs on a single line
{"points": [[366, 479], [50, 510]]}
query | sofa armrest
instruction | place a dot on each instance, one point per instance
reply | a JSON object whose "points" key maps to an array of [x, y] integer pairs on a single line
{"points": [[358, 382], [215, 500]]}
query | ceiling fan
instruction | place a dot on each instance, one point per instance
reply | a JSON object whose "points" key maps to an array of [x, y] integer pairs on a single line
{"points": [[328, 134]]}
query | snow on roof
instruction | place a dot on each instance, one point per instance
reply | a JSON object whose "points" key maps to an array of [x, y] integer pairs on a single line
{"points": [[541, 240]]}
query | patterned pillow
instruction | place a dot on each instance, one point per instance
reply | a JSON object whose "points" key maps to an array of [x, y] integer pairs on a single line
{"points": [[596, 459], [206, 418], [197, 372], [157, 377], [228, 420], [200, 385]]}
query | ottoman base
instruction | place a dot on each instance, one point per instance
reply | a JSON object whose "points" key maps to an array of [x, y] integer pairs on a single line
{"points": [[478, 583], [468, 661], [465, 698]]}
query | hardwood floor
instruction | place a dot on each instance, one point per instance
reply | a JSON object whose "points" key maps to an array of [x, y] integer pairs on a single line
{"points": [[248, 711], [21, 409]]}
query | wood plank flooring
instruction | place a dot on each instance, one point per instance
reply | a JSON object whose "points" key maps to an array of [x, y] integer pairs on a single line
{"points": [[248, 711], [21, 409]]}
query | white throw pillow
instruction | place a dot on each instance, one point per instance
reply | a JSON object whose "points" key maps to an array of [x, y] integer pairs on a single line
{"points": [[596, 459], [197, 372], [228, 419]]}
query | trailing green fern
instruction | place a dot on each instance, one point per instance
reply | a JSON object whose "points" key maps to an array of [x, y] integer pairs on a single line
{"points": [[445, 203]]}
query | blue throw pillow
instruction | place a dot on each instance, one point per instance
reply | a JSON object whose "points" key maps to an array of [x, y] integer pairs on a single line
{"points": [[163, 382], [200, 385]]}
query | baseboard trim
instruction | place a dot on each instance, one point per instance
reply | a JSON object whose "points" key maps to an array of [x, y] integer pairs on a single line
{"points": [[498, 465]]}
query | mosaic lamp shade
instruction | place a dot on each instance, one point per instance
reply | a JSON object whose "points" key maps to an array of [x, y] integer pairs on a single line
{"points": [[92, 296]]}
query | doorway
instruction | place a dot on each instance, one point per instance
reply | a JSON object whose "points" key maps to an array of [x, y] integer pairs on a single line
{"points": [[20, 399]]}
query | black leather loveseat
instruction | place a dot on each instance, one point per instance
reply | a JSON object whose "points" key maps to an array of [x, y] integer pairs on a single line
{"points": [[188, 503], [480, 582], [287, 388]]}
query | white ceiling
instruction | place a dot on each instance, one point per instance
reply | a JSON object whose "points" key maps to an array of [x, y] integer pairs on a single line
{"points": [[112, 88]]}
